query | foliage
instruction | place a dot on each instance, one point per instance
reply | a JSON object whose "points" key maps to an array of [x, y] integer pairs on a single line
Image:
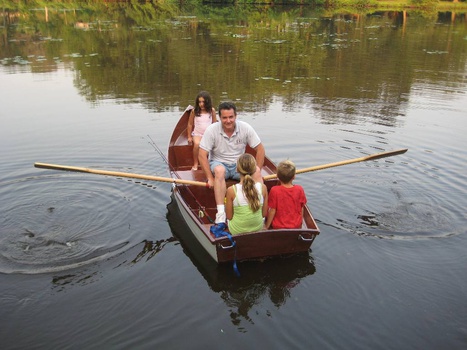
{"points": [[167, 4], [424, 3], [351, 3], [133, 49]]}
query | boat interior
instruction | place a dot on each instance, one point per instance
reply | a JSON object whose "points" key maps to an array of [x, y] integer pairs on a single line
{"points": [[199, 199]]}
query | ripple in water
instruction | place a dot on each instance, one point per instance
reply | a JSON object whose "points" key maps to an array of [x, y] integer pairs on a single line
{"points": [[407, 209], [405, 220], [55, 223], [409, 220]]}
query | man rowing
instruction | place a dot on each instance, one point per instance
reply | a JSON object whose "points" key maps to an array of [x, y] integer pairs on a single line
{"points": [[220, 147]]}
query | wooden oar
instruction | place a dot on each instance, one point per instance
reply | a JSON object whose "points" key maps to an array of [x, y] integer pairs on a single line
{"points": [[120, 174], [344, 162]]}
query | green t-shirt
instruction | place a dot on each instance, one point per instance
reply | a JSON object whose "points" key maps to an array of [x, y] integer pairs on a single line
{"points": [[244, 219]]}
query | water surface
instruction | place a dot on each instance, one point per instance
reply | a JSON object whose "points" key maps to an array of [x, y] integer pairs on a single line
{"points": [[89, 261]]}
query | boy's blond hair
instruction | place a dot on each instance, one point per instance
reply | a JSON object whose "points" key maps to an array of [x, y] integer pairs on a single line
{"points": [[286, 171]]}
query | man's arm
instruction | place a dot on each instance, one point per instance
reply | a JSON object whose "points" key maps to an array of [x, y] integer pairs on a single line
{"points": [[260, 153]]}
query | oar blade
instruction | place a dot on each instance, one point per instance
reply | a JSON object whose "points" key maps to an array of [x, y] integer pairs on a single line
{"points": [[60, 167], [44, 166], [386, 154]]}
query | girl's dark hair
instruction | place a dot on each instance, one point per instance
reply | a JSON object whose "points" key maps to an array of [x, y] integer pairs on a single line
{"points": [[246, 165], [207, 102]]}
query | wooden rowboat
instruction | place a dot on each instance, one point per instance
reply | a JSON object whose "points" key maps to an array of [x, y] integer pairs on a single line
{"points": [[197, 205], [198, 208]]}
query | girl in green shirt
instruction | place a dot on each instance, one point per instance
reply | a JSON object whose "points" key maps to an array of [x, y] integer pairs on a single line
{"points": [[247, 202]]}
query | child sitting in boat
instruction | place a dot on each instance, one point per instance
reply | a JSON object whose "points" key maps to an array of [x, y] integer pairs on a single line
{"points": [[246, 202], [286, 201], [201, 117]]}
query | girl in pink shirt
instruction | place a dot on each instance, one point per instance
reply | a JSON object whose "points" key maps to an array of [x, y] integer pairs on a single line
{"points": [[201, 117]]}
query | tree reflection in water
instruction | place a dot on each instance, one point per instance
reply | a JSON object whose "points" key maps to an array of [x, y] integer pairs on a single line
{"points": [[122, 51]]}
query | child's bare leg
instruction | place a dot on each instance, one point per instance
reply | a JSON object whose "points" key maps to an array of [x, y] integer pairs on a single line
{"points": [[196, 141]]}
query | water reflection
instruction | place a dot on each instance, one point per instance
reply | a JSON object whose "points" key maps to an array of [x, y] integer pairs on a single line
{"points": [[151, 248], [80, 278], [139, 54], [271, 278], [319, 90]]}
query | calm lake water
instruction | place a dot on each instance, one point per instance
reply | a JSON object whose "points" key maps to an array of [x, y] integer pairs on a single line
{"points": [[89, 261]]}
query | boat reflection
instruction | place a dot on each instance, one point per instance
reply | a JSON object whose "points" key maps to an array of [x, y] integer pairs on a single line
{"points": [[272, 278], [151, 248]]}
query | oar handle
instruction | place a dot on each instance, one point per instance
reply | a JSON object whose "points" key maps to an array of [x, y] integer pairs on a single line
{"points": [[120, 174], [345, 162]]}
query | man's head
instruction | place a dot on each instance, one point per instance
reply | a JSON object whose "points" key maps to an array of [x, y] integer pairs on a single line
{"points": [[227, 106], [227, 116]]}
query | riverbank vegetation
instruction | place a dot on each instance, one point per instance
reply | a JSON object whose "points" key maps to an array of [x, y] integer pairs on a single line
{"points": [[278, 13], [380, 4]]}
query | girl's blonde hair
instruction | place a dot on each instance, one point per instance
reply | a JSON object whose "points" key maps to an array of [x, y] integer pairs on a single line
{"points": [[246, 166]]}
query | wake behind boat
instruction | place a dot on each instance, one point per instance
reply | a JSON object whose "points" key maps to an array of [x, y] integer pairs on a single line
{"points": [[198, 208]]}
